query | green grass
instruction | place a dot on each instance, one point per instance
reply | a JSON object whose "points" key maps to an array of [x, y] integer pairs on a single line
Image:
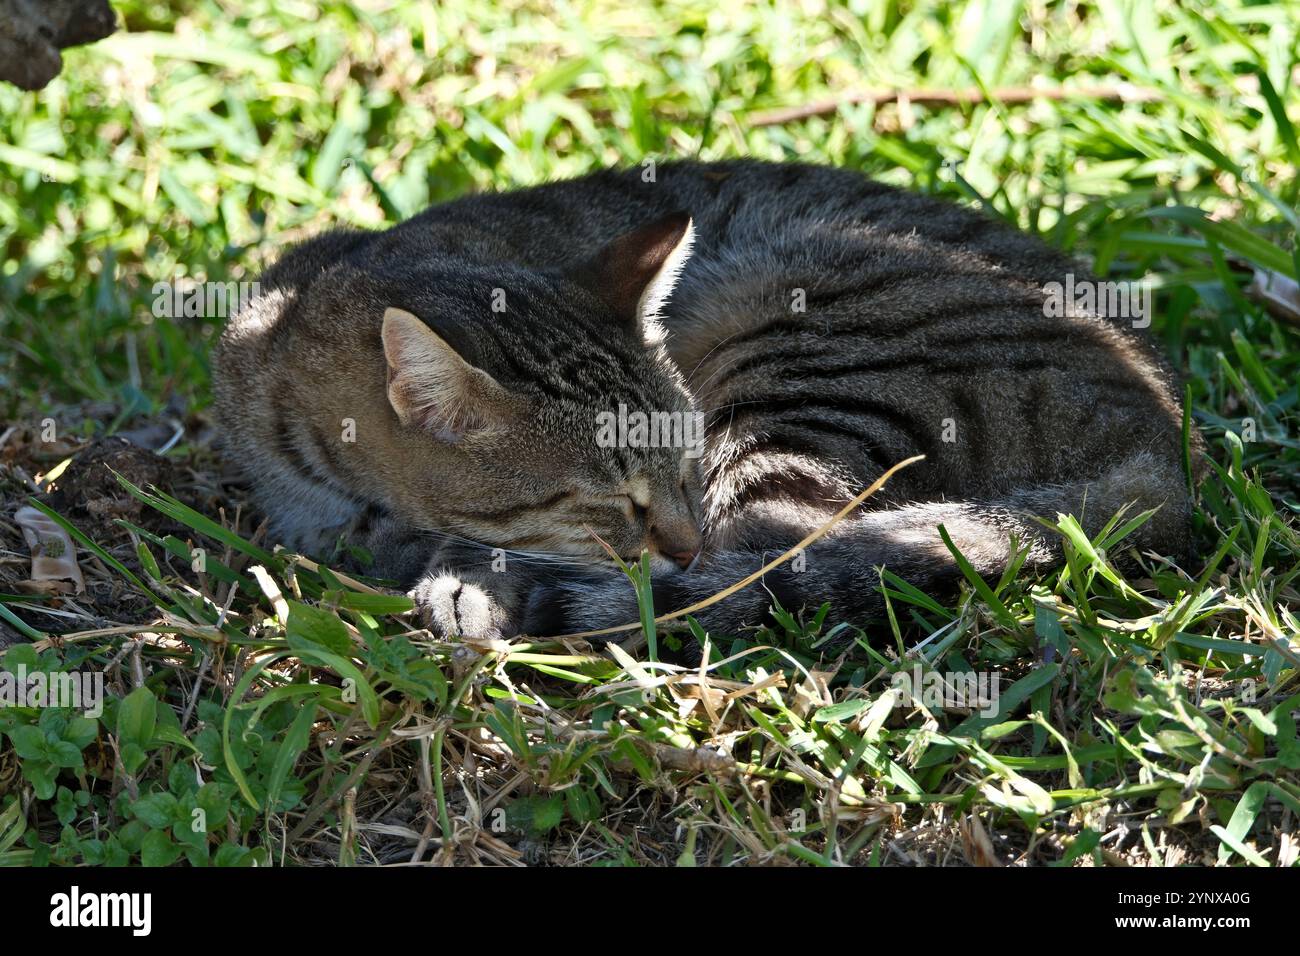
{"points": [[1147, 719]]}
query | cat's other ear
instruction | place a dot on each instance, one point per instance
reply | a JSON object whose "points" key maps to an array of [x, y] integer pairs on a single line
{"points": [[432, 387], [636, 272]]}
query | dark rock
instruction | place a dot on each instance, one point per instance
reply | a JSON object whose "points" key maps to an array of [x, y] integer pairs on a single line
{"points": [[32, 32]]}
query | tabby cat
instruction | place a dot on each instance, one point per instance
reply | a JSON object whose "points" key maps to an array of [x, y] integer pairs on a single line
{"points": [[434, 392]]}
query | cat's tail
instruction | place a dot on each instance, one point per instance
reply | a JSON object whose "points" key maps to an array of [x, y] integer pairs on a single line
{"points": [[841, 568]]}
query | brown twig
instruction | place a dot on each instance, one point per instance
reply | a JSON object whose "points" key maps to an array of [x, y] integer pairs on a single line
{"points": [[1120, 92]]}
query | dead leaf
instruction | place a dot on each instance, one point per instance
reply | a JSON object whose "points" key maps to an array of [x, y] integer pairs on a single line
{"points": [[47, 588], [1279, 294], [54, 556], [975, 843]]}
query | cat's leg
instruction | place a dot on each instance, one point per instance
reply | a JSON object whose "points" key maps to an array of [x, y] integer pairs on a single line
{"points": [[841, 568]]}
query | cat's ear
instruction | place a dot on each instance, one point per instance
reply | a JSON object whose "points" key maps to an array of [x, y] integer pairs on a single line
{"points": [[636, 272], [432, 387]]}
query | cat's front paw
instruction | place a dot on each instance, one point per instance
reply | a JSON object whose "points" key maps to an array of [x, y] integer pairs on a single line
{"points": [[452, 607]]}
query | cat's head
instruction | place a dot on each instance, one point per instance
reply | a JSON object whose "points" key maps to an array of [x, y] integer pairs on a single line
{"points": [[557, 416]]}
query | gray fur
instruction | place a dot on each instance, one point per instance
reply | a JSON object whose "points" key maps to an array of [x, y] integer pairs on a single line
{"points": [[923, 320]]}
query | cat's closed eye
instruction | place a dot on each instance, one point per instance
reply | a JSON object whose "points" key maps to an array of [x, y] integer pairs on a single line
{"points": [[627, 503]]}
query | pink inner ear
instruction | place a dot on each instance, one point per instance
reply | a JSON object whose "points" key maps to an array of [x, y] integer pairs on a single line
{"points": [[427, 417], [449, 432], [432, 388]]}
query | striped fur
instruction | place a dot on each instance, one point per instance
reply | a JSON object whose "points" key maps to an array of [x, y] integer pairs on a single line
{"points": [[923, 330]]}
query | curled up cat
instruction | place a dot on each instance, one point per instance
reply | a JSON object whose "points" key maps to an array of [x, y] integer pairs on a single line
{"points": [[483, 395]]}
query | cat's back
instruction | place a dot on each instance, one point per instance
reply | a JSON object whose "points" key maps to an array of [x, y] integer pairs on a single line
{"points": [[832, 315]]}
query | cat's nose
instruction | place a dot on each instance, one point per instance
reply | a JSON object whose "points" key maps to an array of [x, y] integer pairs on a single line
{"points": [[684, 558], [678, 541], [682, 551]]}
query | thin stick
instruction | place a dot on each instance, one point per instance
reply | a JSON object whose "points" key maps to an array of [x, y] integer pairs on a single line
{"points": [[722, 595], [351, 582], [1123, 92], [201, 632]]}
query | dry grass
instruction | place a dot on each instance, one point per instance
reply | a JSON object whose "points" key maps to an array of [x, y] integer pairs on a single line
{"points": [[1148, 722]]}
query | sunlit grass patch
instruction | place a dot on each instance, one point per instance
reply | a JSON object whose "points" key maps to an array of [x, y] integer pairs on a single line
{"points": [[1144, 712]]}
